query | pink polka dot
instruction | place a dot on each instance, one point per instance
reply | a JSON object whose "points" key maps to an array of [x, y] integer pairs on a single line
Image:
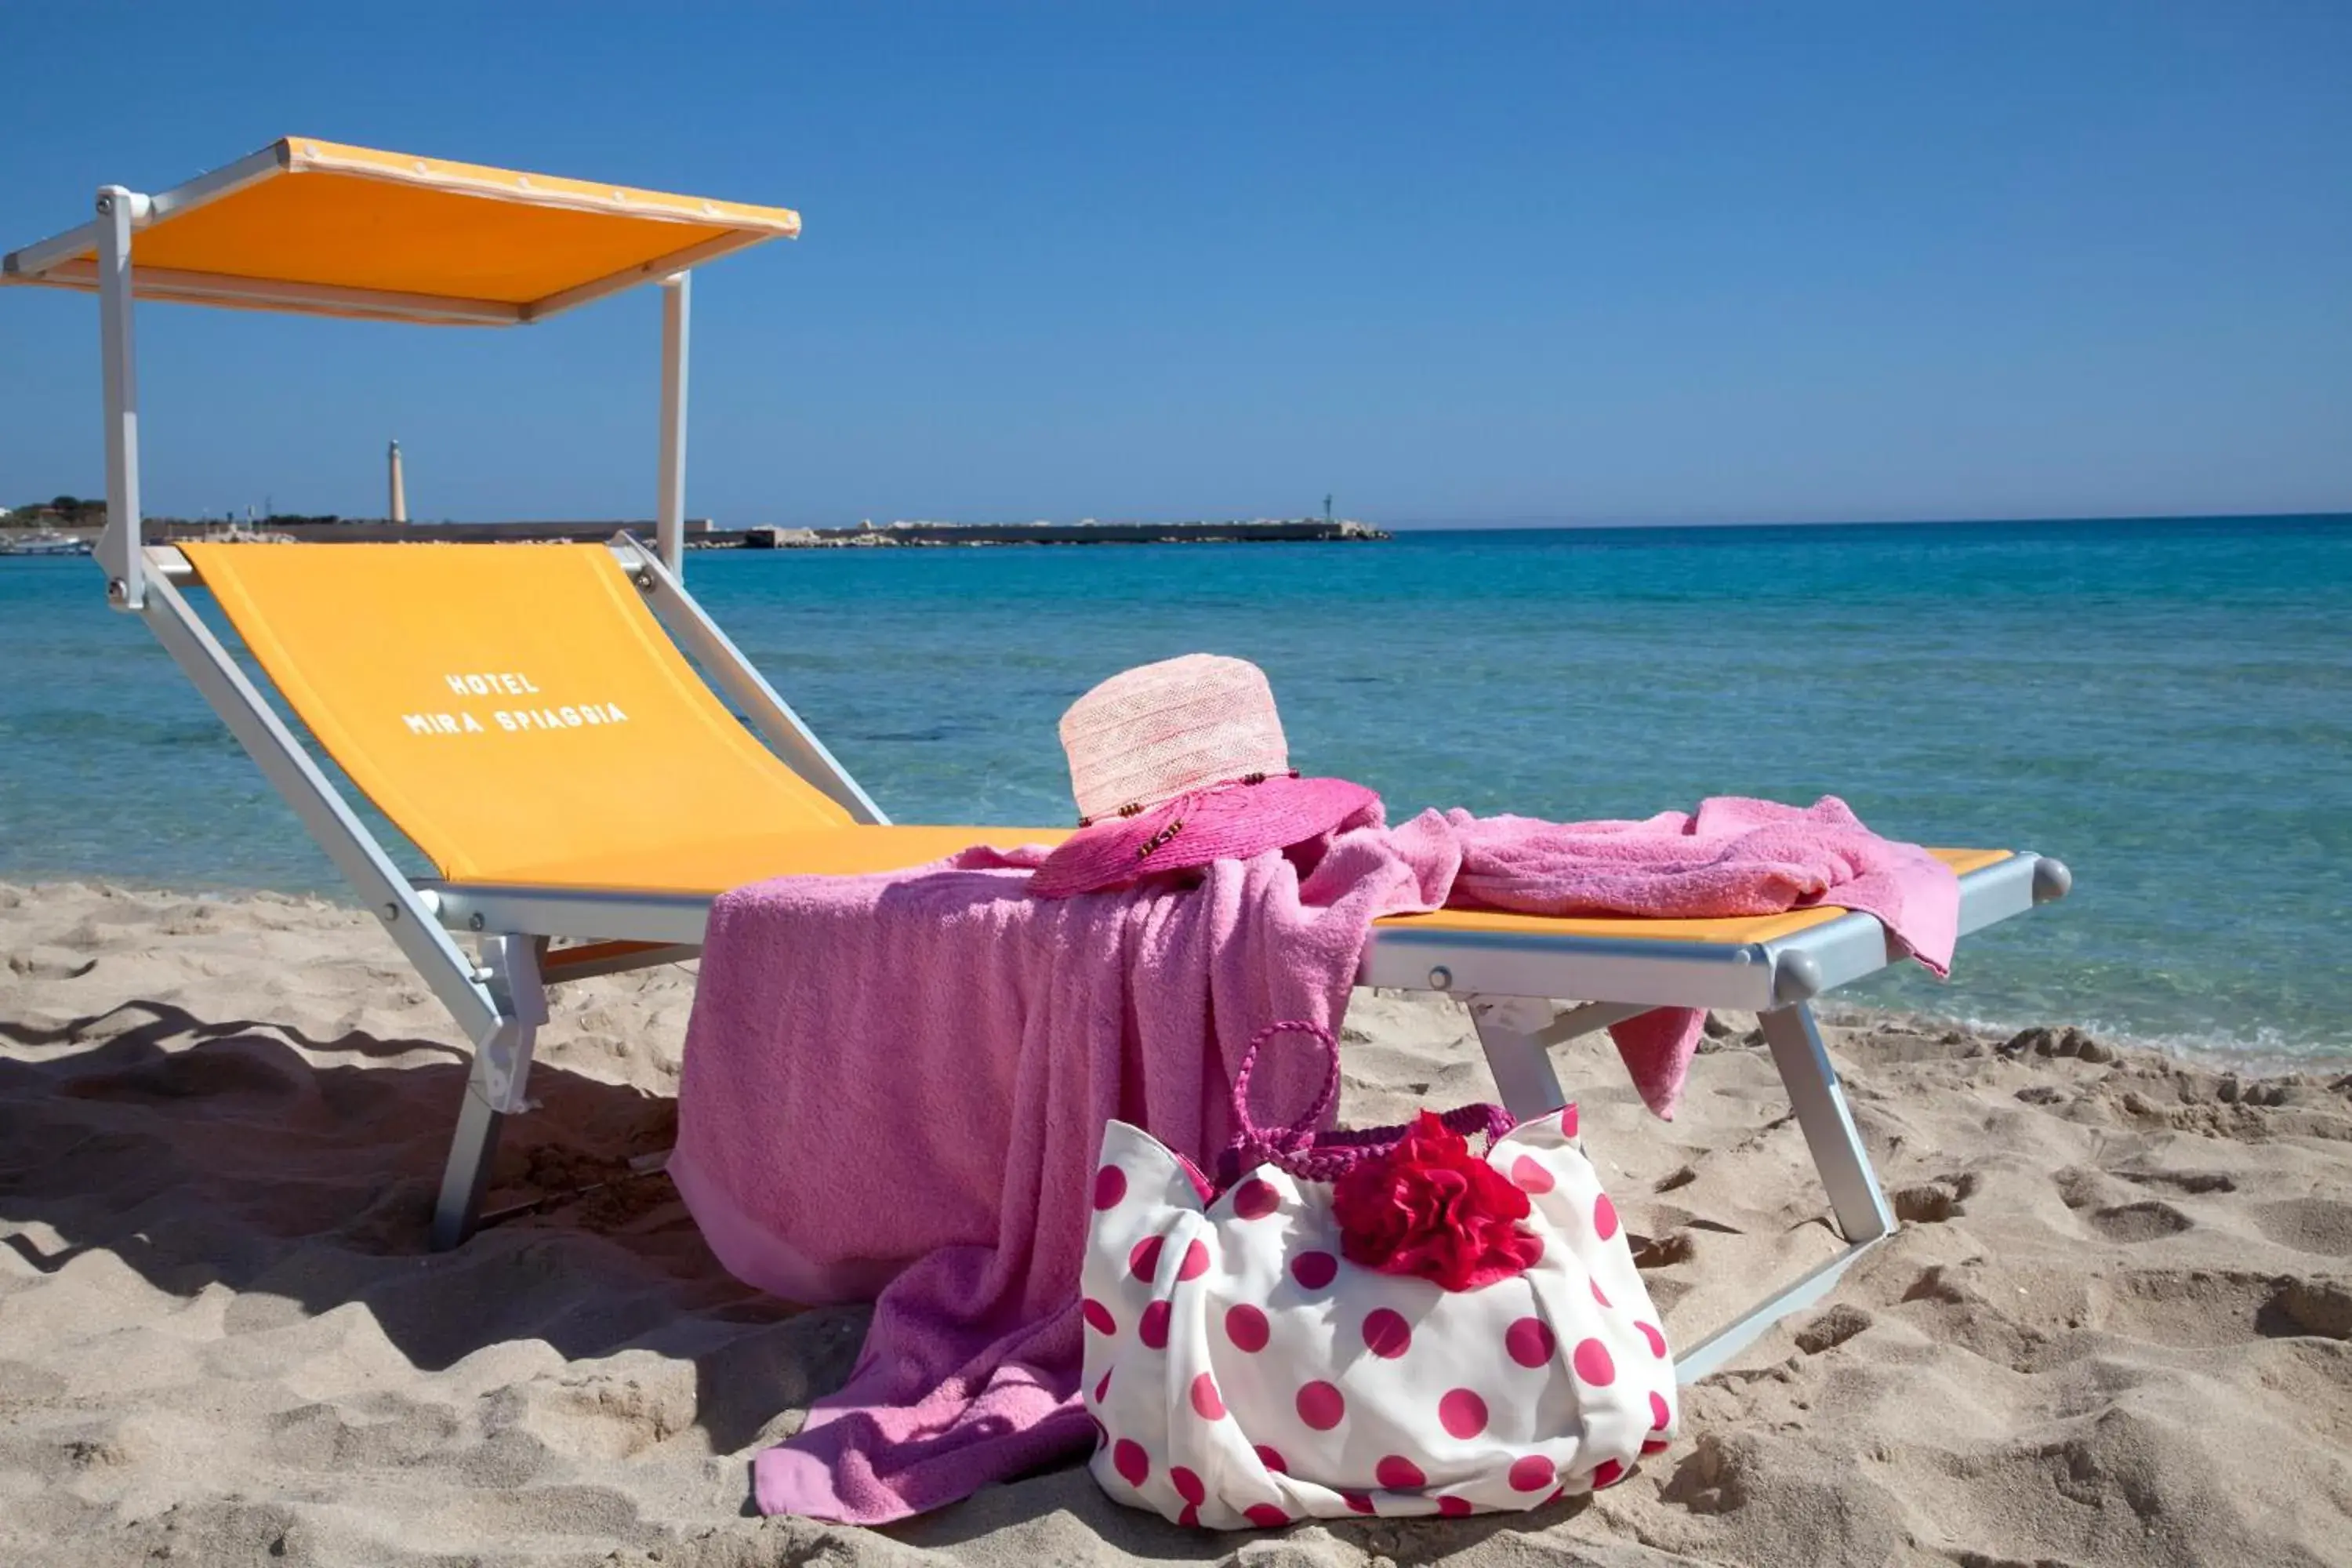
{"points": [[1128, 1457], [1188, 1486], [1254, 1199], [1314, 1269], [1398, 1474], [1206, 1400], [1660, 1416], [1111, 1185], [1532, 1474], [1462, 1412], [1190, 1518], [1154, 1327], [1357, 1502], [1657, 1341], [1246, 1327], [1568, 1123], [1529, 1176], [1592, 1363], [1321, 1405], [1598, 1296], [1609, 1473], [1531, 1342], [1265, 1516], [1604, 1218], [1144, 1261], [1097, 1316], [1454, 1507], [1195, 1264], [1272, 1459], [1655, 1444], [1387, 1334], [1102, 1389]]}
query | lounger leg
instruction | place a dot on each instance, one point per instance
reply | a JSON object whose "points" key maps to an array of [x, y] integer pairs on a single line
{"points": [[494, 1088], [467, 1175], [1844, 1166], [1514, 1031], [1819, 1105]]}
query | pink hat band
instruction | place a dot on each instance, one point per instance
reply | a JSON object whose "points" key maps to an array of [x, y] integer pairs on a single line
{"points": [[1137, 807]]}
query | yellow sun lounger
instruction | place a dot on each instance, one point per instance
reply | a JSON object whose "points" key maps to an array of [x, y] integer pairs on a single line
{"points": [[534, 719]]}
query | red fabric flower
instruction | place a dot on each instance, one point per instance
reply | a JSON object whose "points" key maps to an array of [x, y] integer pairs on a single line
{"points": [[1430, 1207]]}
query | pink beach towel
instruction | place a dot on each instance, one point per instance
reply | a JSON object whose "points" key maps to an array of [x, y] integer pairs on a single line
{"points": [[895, 1086], [1736, 856]]}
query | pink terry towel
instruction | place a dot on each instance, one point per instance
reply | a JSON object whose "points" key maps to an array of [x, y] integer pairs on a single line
{"points": [[895, 1086], [1734, 857]]}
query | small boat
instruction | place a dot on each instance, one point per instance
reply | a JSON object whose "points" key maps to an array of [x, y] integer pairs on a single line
{"points": [[43, 542]]}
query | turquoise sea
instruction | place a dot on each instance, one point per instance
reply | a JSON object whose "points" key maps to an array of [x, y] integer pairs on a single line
{"points": [[2167, 705]]}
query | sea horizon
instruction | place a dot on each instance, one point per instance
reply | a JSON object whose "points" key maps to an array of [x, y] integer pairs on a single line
{"points": [[1541, 524], [1530, 523]]}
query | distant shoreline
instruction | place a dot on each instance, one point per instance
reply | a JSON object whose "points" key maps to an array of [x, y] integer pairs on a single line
{"points": [[702, 533]]}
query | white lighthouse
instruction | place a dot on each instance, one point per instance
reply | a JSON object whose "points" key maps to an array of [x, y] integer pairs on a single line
{"points": [[399, 492]]}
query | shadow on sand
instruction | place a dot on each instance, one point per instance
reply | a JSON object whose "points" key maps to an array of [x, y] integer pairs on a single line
{"points": [[203, 1153]]}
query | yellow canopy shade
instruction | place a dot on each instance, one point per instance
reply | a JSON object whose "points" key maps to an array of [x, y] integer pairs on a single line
{"points": [[318, 226]]}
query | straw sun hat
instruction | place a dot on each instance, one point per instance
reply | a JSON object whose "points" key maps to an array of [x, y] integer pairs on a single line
{"points": [[1178, 763]]}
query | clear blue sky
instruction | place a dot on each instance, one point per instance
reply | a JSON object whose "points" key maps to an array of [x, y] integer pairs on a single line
{"points": [[1481, 263]]}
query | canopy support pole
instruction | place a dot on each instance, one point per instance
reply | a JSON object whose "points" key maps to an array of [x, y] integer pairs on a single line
{"points": [[119, 546], [670, 534]]}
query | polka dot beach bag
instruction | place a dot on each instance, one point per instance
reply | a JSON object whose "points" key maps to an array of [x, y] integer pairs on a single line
{"points": [[1372, 1323]]}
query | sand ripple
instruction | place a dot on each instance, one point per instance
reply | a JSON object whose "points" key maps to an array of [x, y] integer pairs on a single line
{"points": [[2111, 1332]]}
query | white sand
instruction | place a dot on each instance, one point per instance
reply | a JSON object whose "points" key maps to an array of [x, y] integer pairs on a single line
{"points": [[2113, 1332]]}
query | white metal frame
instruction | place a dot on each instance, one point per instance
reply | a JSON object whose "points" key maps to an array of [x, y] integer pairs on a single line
{"points": [[121, 212], [670, 512], [501, 1001], [118, 544], [1510, 981], [378, 304], [499, 997], [44, 258]]}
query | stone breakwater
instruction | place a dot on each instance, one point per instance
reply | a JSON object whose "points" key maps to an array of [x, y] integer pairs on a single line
{"points": [[1260, 530]]}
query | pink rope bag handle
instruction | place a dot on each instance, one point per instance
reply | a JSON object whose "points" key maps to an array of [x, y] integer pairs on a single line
{"points": [[1313, 1156]]}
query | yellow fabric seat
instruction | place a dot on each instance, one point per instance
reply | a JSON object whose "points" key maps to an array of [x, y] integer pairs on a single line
{"points": [[708, 870], [509, 706]]}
